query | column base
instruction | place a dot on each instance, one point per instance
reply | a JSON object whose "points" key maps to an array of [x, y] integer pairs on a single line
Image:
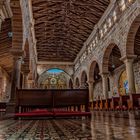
{"points": [[91, 105], [131, 101], [11, 108]]}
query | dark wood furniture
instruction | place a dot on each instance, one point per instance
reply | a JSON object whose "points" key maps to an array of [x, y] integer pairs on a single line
{"points": [[124, 100], [136, 101], [29, 99], [2, 108], [116, 102]]}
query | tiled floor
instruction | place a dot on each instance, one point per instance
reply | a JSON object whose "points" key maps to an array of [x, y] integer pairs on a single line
{"points": [[102, 126]]}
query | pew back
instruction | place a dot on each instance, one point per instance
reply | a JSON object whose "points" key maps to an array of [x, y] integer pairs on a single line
{"points": [[55, 98]]}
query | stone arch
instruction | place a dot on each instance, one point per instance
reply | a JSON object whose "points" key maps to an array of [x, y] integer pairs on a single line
{"points": [[106, 56], [70, 84], [84, 79], [77, 83], [131, 36], [42, 76], [59, 69], [46, 67], [91, 70]]}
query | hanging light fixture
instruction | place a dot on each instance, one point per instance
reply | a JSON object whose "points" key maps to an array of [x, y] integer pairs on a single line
{"points": [[96, 77], [10, 34]]}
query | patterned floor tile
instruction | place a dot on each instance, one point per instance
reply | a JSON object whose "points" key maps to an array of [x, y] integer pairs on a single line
{"points": [[102, 126]]}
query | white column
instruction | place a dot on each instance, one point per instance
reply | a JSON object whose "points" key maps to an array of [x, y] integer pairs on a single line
{"points": [[30, 80], [25, 80], [15, 77], [90, 87], [105, 84], [130, 74]]}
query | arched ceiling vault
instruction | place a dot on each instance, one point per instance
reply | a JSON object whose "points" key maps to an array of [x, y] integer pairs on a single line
{"points": [[62, 26]]}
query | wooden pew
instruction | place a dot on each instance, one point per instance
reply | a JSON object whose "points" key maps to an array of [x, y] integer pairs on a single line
{"points": [[124, 102], [103, 102], [30, 99], [2, 108], [101, 105], [136, 101], [109, 104], [116, 101]]}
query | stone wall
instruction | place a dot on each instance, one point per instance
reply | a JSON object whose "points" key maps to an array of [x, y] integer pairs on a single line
{"points": [[116, 35], [120, 33]]}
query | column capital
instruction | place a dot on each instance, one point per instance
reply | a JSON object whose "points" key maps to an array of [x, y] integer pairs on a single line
{"points": [[90, 81], [104, 74], [129, 58]]}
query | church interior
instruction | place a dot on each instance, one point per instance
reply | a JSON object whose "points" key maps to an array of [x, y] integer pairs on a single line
{"points": [[69, 69]]}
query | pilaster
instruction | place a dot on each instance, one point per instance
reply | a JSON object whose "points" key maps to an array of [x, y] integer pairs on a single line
{"points": [[17, 54], [105, 84], [90, 87]]}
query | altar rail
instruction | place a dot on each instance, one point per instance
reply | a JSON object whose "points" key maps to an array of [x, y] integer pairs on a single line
{"points": [[28, 99]]}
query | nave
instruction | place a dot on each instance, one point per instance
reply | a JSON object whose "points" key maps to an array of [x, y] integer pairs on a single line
{"points": [[102, 126]]}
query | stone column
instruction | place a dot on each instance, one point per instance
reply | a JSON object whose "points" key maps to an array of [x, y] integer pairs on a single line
{"points": [[25, 80], [30, 80], [15, 79], [105, 84], [90, 87], [36, 84], [130, 75]]}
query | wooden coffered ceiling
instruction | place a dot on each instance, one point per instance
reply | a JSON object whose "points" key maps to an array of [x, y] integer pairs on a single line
{"points": [[6, 59], [62, 26]]}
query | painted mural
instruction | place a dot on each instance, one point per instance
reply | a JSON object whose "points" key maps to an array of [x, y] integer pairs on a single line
{"points": [[55, 79], [123, 84]]}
